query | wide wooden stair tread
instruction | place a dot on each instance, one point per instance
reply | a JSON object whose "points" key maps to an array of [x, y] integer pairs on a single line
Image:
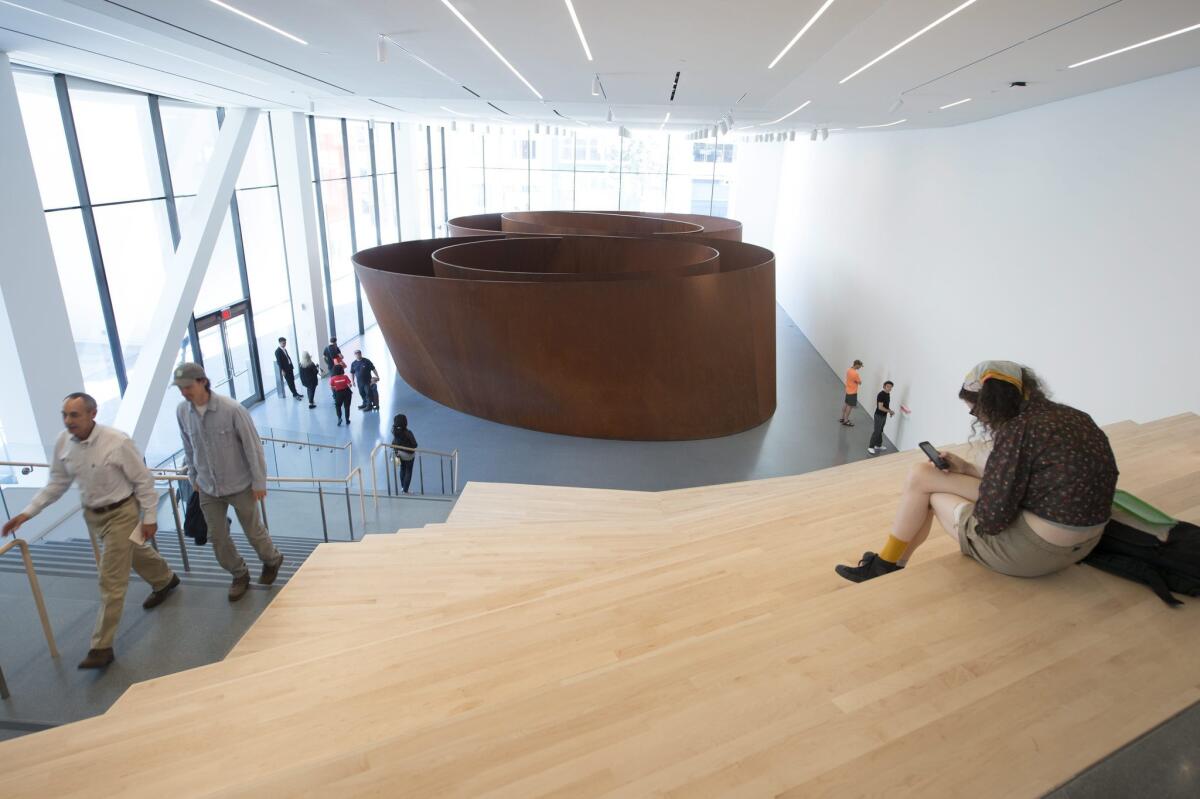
{"points": [[578, 642]]}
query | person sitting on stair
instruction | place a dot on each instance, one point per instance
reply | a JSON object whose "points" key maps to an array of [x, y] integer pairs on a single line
{"points": [[1040, 503]]}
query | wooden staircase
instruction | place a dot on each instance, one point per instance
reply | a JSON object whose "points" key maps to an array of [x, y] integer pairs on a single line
{"points": [[574, 642]]}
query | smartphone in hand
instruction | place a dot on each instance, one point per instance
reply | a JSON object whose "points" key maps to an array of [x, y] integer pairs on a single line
{"points": [[934, 456]]}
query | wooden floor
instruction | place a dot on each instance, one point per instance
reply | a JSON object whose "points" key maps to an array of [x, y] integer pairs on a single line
{"points": [[573, 642]]}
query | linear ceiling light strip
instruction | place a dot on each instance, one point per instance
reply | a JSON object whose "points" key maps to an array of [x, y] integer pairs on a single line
{"points": [[803, 31], [885, 125], [489, 46], [1139, 44], [579, 29], [789, 113], [258, 21], [921, 32]]}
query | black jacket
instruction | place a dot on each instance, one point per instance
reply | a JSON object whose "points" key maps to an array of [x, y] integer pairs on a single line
{"points": [[283, 359], [309, 376], [194, 526]]}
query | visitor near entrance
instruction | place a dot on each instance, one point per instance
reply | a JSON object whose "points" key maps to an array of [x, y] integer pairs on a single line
{"points": [[331, 353], [1040, 503], [309, 377], [339, 384], [285, 366], [226, 465], [120, 508], [853, 381]]}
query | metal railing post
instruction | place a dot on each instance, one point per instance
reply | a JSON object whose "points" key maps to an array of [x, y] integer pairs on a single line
{"points": [[421, 469], [324, 524], [349, 513], [454, 473], [187, 567]]}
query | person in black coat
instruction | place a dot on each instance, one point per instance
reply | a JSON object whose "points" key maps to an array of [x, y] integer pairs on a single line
{"points": [[332, 351], [309, 377], [403, 437], [285, 366]]}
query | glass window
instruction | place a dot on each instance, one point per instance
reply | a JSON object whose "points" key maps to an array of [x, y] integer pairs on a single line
{"points": [[643, 192], [388, 230], [337, 231], [597, 151], [116, 142], [645, 153], [359, 136], [80, 290], [551, 191], [266, 268], [507, 190], [47, 142], [259, 167], [384, 156], [329, 148], [365, 233], [190, 134], [507, 149], [222, 284], [135, 242], [596, 191]]}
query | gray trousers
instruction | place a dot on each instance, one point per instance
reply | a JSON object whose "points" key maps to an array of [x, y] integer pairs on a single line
{"points": [[246, 507]]}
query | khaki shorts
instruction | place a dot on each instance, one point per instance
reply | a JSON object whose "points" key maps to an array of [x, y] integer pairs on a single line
{"points": [[1017, 550]]}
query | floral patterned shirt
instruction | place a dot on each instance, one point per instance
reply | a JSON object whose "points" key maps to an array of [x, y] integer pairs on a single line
{"points": [[1051, 460]]}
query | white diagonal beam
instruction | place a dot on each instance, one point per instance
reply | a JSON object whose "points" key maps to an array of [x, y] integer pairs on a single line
{"points": [[293, 159], [151, 375], [38, 331]]}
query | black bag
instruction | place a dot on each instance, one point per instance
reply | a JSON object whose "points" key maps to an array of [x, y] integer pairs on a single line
{"points": [[194, 526], [1166, 566]]}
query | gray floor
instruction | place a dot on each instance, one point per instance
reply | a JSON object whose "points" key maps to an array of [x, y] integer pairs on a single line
{"points": [[200, 626]]}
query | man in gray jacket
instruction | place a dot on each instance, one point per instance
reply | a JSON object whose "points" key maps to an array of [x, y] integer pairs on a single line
{"points": [[226, 465]]}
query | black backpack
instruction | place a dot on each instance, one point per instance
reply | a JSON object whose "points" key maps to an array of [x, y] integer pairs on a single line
{"points": [[1166, 566]]}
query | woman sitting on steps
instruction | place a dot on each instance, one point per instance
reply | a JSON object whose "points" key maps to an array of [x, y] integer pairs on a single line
{"points": [[1043, 498]]}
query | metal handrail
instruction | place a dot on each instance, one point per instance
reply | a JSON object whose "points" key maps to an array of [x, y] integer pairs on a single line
{"points": [[417, 452]]}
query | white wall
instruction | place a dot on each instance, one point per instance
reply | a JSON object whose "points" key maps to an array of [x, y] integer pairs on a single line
{"points": [[1066, 237]]}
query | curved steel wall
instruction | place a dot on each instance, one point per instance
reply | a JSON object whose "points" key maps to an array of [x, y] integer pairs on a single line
{"points": [[608, 337]]}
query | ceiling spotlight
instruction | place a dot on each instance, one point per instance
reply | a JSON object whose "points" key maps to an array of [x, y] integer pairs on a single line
{"points": [[537, 128], [793, 136], [824, 134], [381, 49], [723, 128], [453, 125], [609, 118], [595, 85]]}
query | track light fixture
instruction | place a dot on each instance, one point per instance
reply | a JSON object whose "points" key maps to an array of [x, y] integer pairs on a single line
{"points": [[824, 134], [813, 135], [595, 85], [381, 49], [609, 118]]}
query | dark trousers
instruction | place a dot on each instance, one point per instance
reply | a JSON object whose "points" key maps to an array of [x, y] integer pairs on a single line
{"points": [[877, 433], [312, 392], [364, 391], [289, 377], [406, 468], [341, 400]]}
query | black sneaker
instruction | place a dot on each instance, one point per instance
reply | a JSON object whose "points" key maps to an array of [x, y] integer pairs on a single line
{"points": [[870, 567]]}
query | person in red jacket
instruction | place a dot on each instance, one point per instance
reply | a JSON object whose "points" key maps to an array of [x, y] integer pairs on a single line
{"points": [[340, 384]]}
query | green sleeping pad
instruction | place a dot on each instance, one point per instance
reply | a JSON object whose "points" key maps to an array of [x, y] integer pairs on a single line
{"points": [[1140, 508]]}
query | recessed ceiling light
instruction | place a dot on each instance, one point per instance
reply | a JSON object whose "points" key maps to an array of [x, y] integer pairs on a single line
{"points": [[951, 105], [489, 46], [924, 30], [1135, 46], [789, 113], [665, 119], [579, 29], [452, 111], [796, 38], [257, 21], [885, 125]]}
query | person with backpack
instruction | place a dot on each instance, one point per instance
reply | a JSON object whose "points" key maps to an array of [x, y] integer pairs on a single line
{"points": [[1038, 506], [403, 437], [339, 383]]}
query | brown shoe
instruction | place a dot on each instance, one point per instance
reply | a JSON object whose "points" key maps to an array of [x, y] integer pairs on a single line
{"points": [[156, 598], [238, 588], [269, 573], [97, 659]]}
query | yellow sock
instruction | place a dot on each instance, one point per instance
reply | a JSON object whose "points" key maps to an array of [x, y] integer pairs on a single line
{"points": [[893, 550]]}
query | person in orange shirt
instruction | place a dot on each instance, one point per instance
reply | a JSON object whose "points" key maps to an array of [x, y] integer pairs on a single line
{"points": [[853, 381]]}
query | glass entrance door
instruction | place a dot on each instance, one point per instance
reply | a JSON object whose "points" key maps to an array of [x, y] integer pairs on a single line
{"points": [[228, 358]]}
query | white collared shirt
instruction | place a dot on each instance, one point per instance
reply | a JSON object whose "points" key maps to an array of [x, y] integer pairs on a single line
{"points": [[107, 468]]}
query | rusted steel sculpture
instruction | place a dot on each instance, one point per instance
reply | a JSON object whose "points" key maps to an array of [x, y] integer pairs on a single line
{"points": [[668, 335]]}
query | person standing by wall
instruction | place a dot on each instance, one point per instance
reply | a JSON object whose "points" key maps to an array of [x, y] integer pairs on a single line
{"points": [[362, 369], [853, 381], [340, 385], [116, 489], [883, 409], [309, 377], [226, 465], [285, 366]]}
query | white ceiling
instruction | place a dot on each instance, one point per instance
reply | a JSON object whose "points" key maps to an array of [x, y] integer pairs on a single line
{"points": [[197, 50]]}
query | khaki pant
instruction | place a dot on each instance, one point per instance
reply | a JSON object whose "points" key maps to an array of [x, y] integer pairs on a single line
{"points": [[118, 553], [246, 507], [1018, 550]]}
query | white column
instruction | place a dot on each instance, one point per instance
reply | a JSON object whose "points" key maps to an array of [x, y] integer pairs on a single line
{"points": [[301, 236], [33, 313], [151, 375]]}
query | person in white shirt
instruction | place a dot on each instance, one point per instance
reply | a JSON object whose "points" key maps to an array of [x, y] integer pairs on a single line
{"points": [[119, 501]]}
